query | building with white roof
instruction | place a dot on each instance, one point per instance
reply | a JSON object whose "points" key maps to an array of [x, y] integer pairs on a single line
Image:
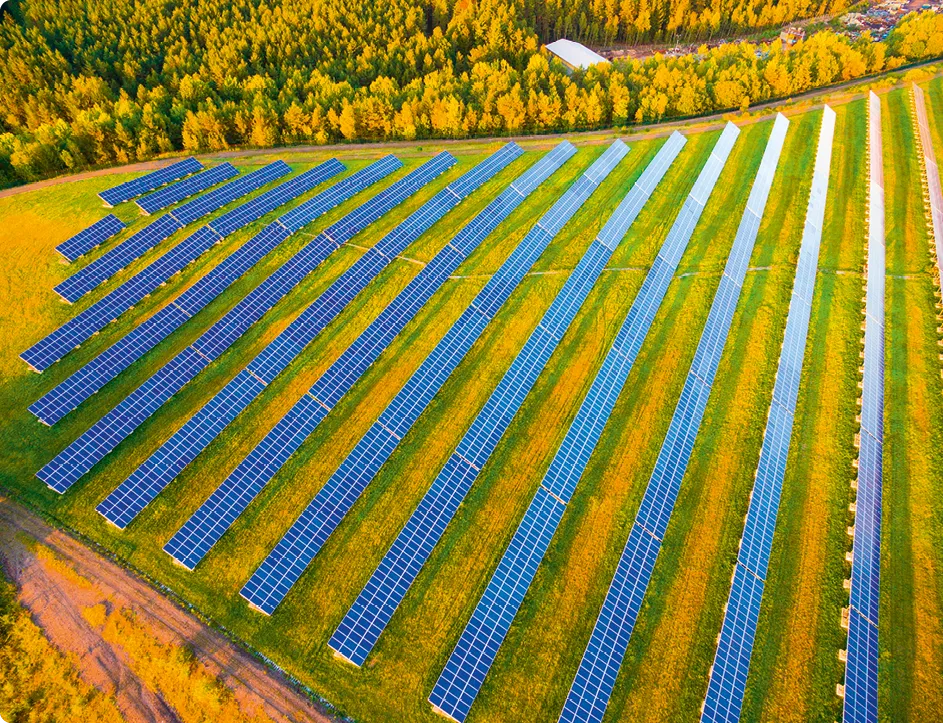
{"points": [[574, 54]]}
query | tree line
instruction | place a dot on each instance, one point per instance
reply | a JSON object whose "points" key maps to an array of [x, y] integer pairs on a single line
{"points": [[122, 80]]}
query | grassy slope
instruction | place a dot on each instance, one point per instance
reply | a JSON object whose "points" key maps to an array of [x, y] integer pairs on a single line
{"points": [[795, 665], [535, 666], [912, 632]]}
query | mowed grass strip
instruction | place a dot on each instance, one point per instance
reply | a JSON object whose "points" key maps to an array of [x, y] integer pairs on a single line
{"points": [[912, 540], [795, 664]]}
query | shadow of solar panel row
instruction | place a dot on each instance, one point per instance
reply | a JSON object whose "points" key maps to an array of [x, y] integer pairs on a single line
{"points": [[861, 666], [599, 667], [65, 397], [376, 603], [932, 171], [79, 457], [151, 477], [93, 236], [187, 187], [106, 266], [285, 564], [202, 530], [139, 186]]}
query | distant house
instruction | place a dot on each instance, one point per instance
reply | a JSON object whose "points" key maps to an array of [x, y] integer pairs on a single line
{"points": [[791, 36], [575, 55]]}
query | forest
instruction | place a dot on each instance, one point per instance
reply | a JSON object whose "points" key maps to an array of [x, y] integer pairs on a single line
{"points": [[114, 81]]}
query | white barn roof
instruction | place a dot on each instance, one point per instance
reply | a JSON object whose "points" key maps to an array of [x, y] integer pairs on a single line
{"points": [[574, 54]]}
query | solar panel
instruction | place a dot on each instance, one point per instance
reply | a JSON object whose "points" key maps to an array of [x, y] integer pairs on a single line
{"points": [[103, 312], [932, 173], [94, 235], [294, 552], [129, 189], [191, 542], [106, 266], [126, 502], [861, 666], [732, 660], [373, 608], [79, 386], [191, 186], [79, 457], [589, 694]]}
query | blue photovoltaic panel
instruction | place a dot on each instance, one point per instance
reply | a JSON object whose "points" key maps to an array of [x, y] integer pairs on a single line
{"points": [[94, 235], [192, 541], [932, 172], [130, 189], [80, 456], [106, 266], [732, 661], [89, 379], [86, 279], [127, 501], [101, 313], [478, 645], [294, 552], [187, 187], [373, 608], [861, 666], [158, 470], [589, 694]]}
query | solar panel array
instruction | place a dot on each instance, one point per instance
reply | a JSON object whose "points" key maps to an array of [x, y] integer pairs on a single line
{"points": [[468, 665], [206, 526], [589, 694], [126, 502], [191, 186], [80, 456], [732, 661], [130, 189], [932, 173], [285, 564], [370, 613], [97, 316], [94, 235], [106, 266], [861, 667], [79, 386]]}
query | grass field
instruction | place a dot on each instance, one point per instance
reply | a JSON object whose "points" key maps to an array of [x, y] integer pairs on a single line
{"points": [[664, 677]]}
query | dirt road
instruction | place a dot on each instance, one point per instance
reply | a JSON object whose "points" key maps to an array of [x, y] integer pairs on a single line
{"points": [[56, 598]]}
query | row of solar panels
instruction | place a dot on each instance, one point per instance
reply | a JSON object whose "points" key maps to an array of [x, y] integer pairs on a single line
{"points": [[861, 666], [360, 629], [728, 678], [161, 467]]}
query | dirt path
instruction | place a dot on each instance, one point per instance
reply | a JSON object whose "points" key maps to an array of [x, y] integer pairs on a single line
{"points": [[641, 132], [55, 599]]}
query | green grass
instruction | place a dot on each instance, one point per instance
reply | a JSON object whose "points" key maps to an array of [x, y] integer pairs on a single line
{"points": [[665, 673], [912, 647]]}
